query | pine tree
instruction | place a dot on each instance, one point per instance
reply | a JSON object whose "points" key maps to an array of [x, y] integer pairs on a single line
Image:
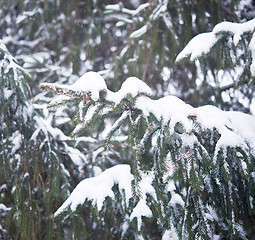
{"points": [[34, 174], [192, 168], [57, 41]]}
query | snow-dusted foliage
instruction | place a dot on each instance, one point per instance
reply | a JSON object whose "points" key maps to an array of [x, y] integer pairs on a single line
{"points": [[203, 43], [98, 188], [188, 153], [31, 153], [159, 166]]}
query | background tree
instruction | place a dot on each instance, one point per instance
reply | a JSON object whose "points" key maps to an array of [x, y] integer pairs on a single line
{"points": [[33, 163]]}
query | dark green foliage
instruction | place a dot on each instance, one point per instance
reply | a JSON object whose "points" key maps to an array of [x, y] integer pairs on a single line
{"points": [[212, 182], [32, 179], [57, 41]]}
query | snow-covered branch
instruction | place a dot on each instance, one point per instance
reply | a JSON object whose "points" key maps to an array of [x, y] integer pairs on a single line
{"points": [[169, 110], [194, 141], [98, 188], [202, 44]]}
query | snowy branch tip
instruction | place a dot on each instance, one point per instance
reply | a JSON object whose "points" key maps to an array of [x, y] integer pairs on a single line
{"points": [[167, 110], [97, 189], [202, 43], [92, 83]]}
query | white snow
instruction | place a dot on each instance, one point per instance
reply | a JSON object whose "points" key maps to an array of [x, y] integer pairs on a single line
{"points": [[170, 235], [16, 140], [90, 82], [94, 83], [140, 210], [197, 46], [4, 208], [176, 199], [252, 49], [132, 13], [7, 93], [132, 86], [235, 28], [99, 187], [25, 15], [235, 128], [169, 108], [139, 32], [159, 11], [202, 43], [170, 186]]}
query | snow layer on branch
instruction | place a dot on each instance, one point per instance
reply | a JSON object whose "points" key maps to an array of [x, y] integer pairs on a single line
{"points": [[3, 47], [139, 32], [16, 140], [235, 28], [167, 108], [252, 49], [132, 86], [197, 46], [202, 43], [235, 128], [93, 83], [90, 82], [140, 210], [4, 208], [99, 187], [118, 7]]}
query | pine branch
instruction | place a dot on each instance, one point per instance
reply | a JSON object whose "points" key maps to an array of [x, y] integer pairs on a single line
{"points": [[62, 90]]}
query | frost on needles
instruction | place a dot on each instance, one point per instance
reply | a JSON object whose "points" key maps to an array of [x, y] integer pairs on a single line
{"points": [[201, 159]]}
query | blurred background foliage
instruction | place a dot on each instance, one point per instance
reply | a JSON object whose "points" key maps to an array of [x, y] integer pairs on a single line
{"points": [[65, 39]]}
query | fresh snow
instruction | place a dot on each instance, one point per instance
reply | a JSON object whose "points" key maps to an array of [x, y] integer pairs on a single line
{"points": [[166, 109], [132, 86], [98, 188], [197, 46], [132, 13], [93, 83], [252, 49], [170, 235], [235, 128], [16, 140], [4, 208], [7, 93], [235, 28], [139, 32], [140, 210], [202, 43], [89, 82]]}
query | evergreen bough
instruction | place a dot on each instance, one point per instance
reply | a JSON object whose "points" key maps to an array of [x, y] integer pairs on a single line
{"points": [[192, 169]]}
